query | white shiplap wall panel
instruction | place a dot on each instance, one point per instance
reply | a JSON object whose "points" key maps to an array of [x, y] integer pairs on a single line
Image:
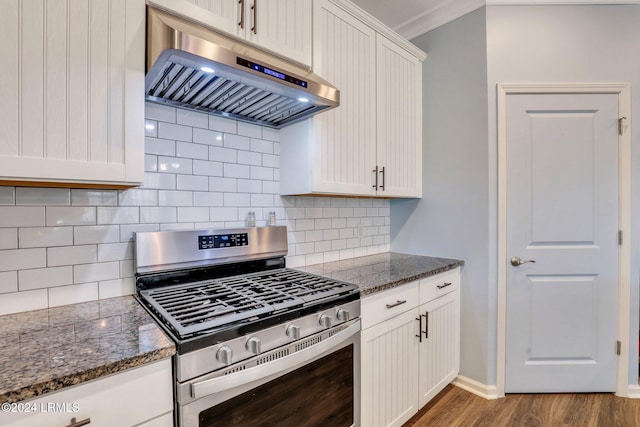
{"points": [[67, 93]]}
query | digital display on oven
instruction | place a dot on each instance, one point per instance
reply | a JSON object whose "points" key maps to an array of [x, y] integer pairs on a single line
{"points": [[216, 241]]}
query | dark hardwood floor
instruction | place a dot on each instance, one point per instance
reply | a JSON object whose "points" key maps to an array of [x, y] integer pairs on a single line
{"points": [[456, 407]]}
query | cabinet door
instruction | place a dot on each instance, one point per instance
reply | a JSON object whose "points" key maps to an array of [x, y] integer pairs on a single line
{"points": [[399, 124], [281, 26], [223, 15], [72, 87], [344, 54], [389, 371], [440, 350]]}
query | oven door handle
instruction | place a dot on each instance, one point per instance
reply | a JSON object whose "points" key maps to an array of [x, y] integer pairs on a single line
{"points": [[293, 361]]}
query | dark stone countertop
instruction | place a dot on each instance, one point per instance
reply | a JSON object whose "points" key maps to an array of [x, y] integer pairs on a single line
{"points": [[375, 273], [46, 350]]}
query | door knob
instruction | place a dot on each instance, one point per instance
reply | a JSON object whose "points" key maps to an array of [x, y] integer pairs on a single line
{"points": [[516, 261]]}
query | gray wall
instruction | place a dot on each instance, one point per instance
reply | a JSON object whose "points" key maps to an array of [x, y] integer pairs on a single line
{"points": [[452, 218], [457, 216], [559, 44]]}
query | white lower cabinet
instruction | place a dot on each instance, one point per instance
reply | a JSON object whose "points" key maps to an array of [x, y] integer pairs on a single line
{"points": [[410, 347], [137, 397]]}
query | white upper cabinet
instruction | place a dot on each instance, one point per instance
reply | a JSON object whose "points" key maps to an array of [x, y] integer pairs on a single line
{"points": [[280, 26], [371, 145], [72, 91], [399, 120]]}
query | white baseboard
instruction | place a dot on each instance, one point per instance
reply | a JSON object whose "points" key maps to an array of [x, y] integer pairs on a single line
{"points": [[488, 392], [633, 392]]}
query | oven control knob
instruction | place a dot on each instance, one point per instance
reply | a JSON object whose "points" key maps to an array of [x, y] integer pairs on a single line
{"points": [[293, 332], [342, 315], [253, 345], [325, 321], [224, 355]]}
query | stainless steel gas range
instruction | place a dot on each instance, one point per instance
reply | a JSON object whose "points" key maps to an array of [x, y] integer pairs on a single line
{"points": [[258, 344]]}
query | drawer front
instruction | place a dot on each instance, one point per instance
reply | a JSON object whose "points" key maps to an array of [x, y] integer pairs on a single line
{"points": [[387, 304], [438, 285]]}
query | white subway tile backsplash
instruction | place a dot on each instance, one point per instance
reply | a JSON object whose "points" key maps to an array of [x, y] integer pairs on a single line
{"points": [[7, 196], [195, 214], [150, 163], [22, 259], [250, 186], [24, 301], [209, 137], [115, 251], [162, 147], [34, 196], [137, 197], [201, 171], [160, 181], [227, 185], [208, 199], [192, 118], [175, 198], [77, 215], [94, 234], [223, 125], [151, 128], [220, 154], [249, 158], [8, 238], [259, 172], [119, 215], [22, 216], [95, 272], [38, 237], [8, 282], [223, 214], [192, 151], [262, 146], [73, 294], [82, 197], [157, 215], [40, 278], [207, 168], [192, 183], [126, 231], [70, 255], [236, 171], [175, 132], [160, 112], [175, 165], [248, 129], [116, 288]]}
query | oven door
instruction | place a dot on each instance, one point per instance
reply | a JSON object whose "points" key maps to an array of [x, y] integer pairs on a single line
{"points": [[314, 383]]}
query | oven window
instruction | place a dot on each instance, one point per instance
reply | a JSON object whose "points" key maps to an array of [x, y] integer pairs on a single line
{"points": [[317, 394]]}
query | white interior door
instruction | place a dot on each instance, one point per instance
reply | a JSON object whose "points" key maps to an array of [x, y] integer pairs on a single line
{"points": [[562, 212]]}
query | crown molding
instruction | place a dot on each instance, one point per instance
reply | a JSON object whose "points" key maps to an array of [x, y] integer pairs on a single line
{"points": [[449, 10], [438, 15]]}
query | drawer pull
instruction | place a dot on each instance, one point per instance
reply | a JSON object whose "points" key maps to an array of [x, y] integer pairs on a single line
{"points": [[397, 303], [75, 423], [444, 285]]}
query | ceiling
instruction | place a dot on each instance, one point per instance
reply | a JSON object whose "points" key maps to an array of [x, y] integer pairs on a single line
{"points": [[411, 18]]}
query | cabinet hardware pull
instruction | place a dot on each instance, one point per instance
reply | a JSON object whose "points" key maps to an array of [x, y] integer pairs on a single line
{"points": [[74, 423], [375, 171], [255, 17], [444, 285], [382, 172], [397, 303], [426, 325], [241, 23], [419, 319]]}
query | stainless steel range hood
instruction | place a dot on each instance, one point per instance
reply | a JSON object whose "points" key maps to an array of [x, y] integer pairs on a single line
{"points": [[193, 67]]}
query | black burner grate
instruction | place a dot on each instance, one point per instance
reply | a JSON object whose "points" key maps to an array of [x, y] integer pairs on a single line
{"points": [[199, 306]]}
